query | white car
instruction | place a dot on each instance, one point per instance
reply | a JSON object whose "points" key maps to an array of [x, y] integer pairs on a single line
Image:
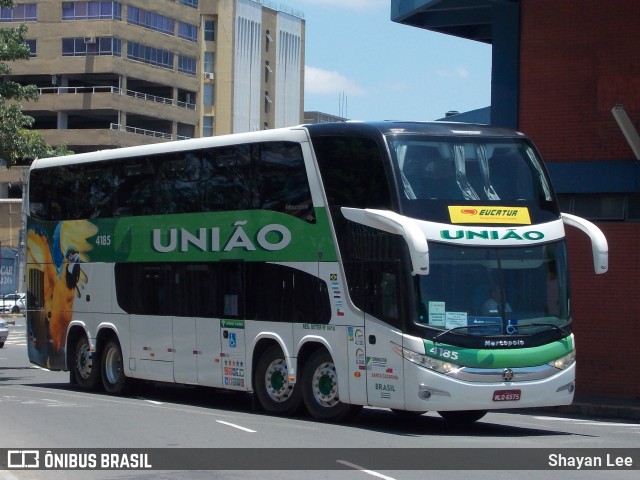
{"points": [[4, 332], [13, 303]]}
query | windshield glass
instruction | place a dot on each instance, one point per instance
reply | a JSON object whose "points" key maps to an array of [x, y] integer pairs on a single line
{"points": [[469, 171], [490, 291]]}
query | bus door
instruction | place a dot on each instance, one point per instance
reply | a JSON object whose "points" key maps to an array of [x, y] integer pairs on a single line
{"points": [[185, 363], [232, 332], [385, 386], [208, 352]]}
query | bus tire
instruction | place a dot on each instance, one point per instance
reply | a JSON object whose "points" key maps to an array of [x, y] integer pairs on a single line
{"points": [[320, 389], [86, 365], [114, 380], [275, 393], [463, 417]]}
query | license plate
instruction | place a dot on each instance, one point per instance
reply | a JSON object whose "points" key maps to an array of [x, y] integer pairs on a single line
{"points": [[506, 395]]}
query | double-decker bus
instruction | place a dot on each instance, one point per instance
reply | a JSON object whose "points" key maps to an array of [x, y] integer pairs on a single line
{"points": [[412, 266]]}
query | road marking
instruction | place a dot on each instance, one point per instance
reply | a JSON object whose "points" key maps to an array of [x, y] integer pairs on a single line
{"points": [[364, 470], [581, 421], [150, 401], [236, 426]]}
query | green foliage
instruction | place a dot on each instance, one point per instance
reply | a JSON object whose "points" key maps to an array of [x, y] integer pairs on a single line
{"points": [[17, 142]]}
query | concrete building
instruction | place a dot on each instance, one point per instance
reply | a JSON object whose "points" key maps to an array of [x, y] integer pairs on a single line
{"points": [[559, 69], [129, 72], [321, 117]]}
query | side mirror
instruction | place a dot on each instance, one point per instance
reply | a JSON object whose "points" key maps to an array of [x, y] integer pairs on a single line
{"points": [[599, 245], [392, 222]]}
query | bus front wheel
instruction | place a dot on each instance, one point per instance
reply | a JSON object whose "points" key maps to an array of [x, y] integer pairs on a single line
{"points": [[320, 389], [86, 365], [113, 378], [463, 417], [274, 391]]}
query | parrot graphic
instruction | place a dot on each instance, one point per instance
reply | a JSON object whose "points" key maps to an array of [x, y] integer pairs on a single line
{"points": [[58, 258]]}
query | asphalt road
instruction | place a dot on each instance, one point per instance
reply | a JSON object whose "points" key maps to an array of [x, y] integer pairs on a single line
{"points": [[39, 409]]}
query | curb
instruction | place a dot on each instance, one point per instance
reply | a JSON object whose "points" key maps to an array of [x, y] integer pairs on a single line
{"points": [[623, 409]]}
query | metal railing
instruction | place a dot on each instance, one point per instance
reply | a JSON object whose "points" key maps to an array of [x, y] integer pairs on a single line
{"points": [[141, 131], [77, 90], [149, 133], [116, 91]]}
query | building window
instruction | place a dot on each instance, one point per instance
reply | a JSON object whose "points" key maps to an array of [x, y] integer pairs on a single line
{"points": [[188, 31], [268, 39], [32, 47], [209, 62], [599, 206], [187, 64], [208, 95], [209, 30], [190, 3], [83, 46], [150, 20], [23, 12], [267, 102], [91, 11], [267, 71], [207, 126], [151, 55]]}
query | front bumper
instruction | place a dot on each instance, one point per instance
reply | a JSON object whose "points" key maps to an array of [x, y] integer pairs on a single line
{"points": [[426, 390]]}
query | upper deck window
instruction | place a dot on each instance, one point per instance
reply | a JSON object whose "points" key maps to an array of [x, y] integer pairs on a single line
{"points": [[469, 171]]}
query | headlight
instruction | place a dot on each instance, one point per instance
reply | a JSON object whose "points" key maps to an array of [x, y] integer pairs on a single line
{"points": [[439, 366], [564, 362]]}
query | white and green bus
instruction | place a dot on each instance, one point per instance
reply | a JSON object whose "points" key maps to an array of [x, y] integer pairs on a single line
{"points": [[412, 266]]}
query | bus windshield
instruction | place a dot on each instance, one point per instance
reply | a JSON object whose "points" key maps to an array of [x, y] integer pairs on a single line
{"points": [[494, 291], [469, 170]]}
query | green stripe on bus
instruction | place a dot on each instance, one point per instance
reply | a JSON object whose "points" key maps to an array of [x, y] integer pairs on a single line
{"points": [[500, 358], [250, 235]]}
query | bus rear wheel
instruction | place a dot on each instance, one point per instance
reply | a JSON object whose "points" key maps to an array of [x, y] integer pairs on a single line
{"points": [[275, 392], [86, 365], [463, 417], [320, 390], [113, 378]]}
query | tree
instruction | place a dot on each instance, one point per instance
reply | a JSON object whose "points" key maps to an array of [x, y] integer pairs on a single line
{"points": [[17, 141]]}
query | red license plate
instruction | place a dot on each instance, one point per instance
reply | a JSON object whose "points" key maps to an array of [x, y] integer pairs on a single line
{"points": [[507, 395]]}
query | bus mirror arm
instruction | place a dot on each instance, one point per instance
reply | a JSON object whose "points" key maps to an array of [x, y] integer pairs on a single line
{"points": [[392, 222], [599, 244]]}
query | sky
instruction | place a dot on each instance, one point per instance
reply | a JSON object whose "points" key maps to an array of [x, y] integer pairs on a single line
{"points": [[362, 66]]}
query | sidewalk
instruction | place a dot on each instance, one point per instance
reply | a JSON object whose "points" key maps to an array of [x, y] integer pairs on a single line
{"points": [[600, 407]]}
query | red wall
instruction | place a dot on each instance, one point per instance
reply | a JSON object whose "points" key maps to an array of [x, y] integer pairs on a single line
{"points": [[578, 59], [606, 312]]}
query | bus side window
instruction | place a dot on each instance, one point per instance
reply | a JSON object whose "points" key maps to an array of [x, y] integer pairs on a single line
{"points": [[352, 171], [280, 180], [226, 182], [382, 291], [231, 289]]}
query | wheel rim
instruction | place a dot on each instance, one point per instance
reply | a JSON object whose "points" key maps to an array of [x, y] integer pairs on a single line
{"points": [[325, 385], [84, 362], [112, 366], [277, 381]]}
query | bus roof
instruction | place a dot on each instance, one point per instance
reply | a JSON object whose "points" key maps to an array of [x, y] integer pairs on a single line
{"points": [[290, 133], [391, 127]]}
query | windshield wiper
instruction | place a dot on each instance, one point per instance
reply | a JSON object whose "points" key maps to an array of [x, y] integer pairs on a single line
{"points": [[461, 327], [552, 325]]}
